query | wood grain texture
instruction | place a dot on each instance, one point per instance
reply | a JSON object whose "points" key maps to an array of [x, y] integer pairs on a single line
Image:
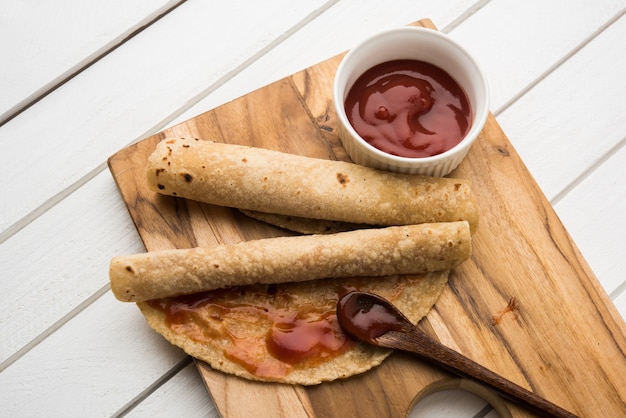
{"points": [[567, 342]]}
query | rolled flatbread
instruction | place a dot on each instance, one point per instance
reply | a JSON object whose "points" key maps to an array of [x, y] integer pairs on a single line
{"points": [[410, 249], [275, 182]]}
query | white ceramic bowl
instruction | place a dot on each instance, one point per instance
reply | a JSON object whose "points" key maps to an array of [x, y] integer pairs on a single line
{"points": [[418, 44]]}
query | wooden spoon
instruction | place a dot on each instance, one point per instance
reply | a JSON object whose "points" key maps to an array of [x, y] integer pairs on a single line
{"points": [[374, 320]]}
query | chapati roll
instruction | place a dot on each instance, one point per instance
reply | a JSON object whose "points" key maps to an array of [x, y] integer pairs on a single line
{"points": [[274, 182], [410, 249]]}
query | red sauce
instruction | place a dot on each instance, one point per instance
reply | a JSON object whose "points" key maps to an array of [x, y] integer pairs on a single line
{"points": [[299, 339], [307, 336], [409, 108]]}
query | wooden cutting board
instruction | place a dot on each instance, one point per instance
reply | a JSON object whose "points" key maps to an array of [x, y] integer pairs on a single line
{"points": [[565, 341]]}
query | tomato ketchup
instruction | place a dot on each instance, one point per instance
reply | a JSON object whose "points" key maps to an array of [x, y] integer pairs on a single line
{"points": [[409, 108]]}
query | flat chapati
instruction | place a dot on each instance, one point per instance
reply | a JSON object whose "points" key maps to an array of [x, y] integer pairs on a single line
{"points": [[250, 331], [274, 182], [409, 249], [303, 225]]}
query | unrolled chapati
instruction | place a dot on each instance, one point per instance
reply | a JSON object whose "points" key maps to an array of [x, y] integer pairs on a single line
{"points": [[303, 225], [232, 330]]}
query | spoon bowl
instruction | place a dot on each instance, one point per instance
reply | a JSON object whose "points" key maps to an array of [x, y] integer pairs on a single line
{"points": [[374, 320]]}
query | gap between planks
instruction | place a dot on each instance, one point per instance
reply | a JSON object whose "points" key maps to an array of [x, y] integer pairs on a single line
{"points": [[245, 64], [106, 50], [603, 158], [587, 173], [465, 15], [54, 327], [560, 62], [124, 410]]}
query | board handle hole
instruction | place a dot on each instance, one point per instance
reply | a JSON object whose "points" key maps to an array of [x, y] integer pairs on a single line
{"points": [[458, 398]]}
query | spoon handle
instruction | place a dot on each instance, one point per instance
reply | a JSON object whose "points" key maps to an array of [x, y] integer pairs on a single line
{"points": [[417, 342]]}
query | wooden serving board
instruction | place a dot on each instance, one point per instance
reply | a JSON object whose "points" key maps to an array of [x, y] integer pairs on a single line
{"points": [[566, 341]]}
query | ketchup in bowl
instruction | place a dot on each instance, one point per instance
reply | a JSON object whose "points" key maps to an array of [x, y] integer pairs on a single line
{"points": [[409, 108]]}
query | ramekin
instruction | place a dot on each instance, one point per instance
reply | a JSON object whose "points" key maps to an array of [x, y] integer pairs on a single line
{"points": [[418, 44]]}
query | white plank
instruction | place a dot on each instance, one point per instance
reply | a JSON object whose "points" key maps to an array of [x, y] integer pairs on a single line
{"points": [[43, 42], [93, 366], [60, 260], [517, 41], [129, 92], [332, 33], [581, 105], [182, 396]]}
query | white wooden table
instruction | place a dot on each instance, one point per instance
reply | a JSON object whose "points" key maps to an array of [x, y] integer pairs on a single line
{"points": [[81, 80]]}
